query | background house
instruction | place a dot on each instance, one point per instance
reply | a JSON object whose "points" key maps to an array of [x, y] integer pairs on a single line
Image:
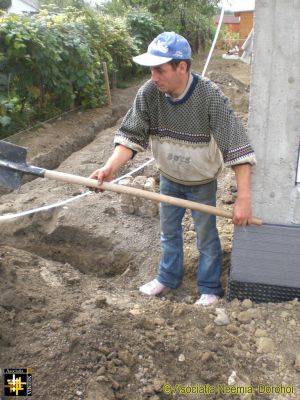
{"points": [[231, 22], [23, 6], [246, 23]]}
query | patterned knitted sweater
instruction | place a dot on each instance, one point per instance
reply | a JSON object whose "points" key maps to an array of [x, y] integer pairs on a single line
{"points": [[190, 137]]}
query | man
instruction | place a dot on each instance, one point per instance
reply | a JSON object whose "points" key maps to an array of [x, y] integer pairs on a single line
{"points": [[191, 128]]}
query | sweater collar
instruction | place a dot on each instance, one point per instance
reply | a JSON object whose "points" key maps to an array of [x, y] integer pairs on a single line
{"points": [[189, 82], [193, 79]]}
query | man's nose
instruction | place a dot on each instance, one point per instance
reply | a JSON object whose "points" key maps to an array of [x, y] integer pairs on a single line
{"points": [[154, 76]]}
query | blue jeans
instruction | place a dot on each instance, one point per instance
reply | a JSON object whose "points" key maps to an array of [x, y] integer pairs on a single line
{"points": [[171, 268]]}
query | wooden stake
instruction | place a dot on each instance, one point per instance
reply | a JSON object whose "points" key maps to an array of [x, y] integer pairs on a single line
{"points": [[106, 80]]}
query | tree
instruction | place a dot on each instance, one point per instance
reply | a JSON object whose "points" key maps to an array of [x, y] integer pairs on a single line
{"points": [[143, 26], [114, 7], [5, 4], [191, 18]]}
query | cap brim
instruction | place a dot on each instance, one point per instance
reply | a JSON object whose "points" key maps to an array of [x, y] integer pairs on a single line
{"points": [[149, 60]]}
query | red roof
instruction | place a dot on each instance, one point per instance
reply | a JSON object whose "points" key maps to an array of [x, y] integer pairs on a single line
{"points": [[237, 13], [227, 19]]}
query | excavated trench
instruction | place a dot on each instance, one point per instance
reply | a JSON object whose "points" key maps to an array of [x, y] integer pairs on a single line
{"points": [[49, 144], [92, 238], [49, 234], [94, 255]]}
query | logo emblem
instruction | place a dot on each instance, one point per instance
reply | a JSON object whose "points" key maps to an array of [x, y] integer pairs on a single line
{"points": [[160, 46], [17, 382]]}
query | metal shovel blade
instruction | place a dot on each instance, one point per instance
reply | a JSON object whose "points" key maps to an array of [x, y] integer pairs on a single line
{"points": [[10, 153]]}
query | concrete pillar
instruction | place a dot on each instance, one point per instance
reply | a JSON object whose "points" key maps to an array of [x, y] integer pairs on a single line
{"points": [[274, 118], [265, 262]]}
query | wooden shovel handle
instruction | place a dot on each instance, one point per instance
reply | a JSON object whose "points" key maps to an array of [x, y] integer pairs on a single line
{"points": [[161, 198]]}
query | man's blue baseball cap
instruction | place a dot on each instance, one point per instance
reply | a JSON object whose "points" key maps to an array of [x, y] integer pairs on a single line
{"points": [[165, 47]]}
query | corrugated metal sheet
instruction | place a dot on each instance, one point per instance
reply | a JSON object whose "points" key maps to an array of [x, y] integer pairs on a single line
{"points": [[268, 254]]}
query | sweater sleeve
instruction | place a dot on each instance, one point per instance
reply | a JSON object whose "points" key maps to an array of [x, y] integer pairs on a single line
{"points": [[228, 131], [134, 130]]}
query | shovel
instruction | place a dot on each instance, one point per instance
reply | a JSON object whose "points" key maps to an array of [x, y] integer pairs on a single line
{"points": [[13, 165]]}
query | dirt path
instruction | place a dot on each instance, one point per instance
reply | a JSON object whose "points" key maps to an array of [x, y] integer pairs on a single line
{"points": [[69, 303]]}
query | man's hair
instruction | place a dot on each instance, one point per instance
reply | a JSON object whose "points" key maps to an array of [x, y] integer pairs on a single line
{"points": [[174, 64]]}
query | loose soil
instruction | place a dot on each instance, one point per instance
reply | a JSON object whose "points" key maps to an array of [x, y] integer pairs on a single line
{"points": [[69, 302]]}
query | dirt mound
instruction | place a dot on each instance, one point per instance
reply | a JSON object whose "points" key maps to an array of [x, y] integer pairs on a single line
{"points": [[94, 338], [233, 88]]}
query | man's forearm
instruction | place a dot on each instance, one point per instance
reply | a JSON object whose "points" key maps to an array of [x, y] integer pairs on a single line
{"points": [[242, 214], [243, 180], [119, 158]]}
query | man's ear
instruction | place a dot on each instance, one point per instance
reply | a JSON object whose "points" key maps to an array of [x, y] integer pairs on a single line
{"points": [[182, 67]]}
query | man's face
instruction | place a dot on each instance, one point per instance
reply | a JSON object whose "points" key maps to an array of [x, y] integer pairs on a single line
{"points": [[169, 80]]}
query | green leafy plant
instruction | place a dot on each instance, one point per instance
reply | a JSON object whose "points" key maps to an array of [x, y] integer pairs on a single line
{"points": [[50, 63]]}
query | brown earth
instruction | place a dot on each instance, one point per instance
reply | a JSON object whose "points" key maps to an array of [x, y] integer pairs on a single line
{"points": [[69, 276]]}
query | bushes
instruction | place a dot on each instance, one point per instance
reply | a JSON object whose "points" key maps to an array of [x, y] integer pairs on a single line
{"points": [[49, 63], [227, 40]]}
